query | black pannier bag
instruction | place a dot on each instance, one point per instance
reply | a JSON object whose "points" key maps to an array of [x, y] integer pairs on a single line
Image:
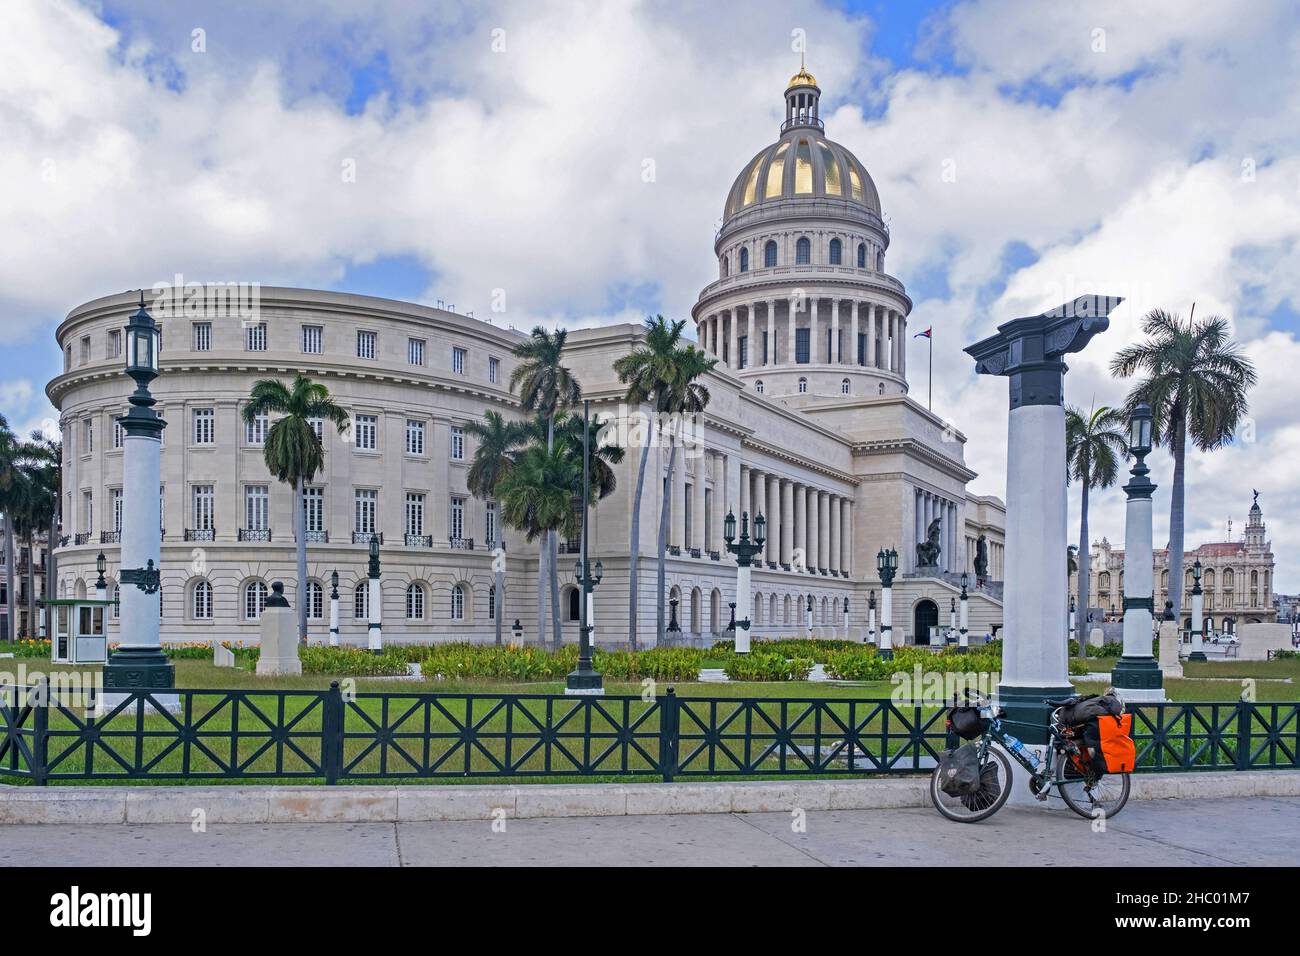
{"points": [[959, 772], [990, 789], [1090, 707], [967, 723]]}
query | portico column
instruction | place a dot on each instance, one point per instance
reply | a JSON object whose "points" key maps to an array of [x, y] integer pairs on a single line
{"points": [[823, 529], [744, 492], [698, 506], [846, 536], [677, 527], [774, 517], [787, 520], [833, 559], [770, 358], [801, 521], [812, 531], [835, 357], [1030, 352]]}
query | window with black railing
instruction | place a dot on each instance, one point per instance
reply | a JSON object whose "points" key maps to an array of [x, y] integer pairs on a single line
{"points": [[254, 534]]}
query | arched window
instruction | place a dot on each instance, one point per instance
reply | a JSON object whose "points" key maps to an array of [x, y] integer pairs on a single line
{"points": [[835, 252], [802, 252], [415, 603], [758, 386], [458, 603], [202, 601], [758, 609], [726, 267], [803, 386], [769, 253], [574, 604], [254, 600], [844, 386], [492, 603], [361, 602], [315, 600], [862, 255], [744, 260]]}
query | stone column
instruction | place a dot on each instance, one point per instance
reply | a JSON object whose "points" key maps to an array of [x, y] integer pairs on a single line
{"points": [[774, 517], [836, 348], [697, 506], [814, 335], [749, 334], [823, 529], [871, 335], [902, 345], [787, 520], [733, 345], [1030, 352], [791, 315], [812, 530], [771, 332], [744, 493], [1137, 676], [846, 535], [677, 526], [834, 557], [853, 335], [801, 520]]}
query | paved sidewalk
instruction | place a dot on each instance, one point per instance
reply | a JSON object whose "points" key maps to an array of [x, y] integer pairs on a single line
{"points": [[1249, 831]]}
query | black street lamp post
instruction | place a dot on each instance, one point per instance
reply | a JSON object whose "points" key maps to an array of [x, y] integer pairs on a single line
{"points": [[745, 551], [585, 679], [887, 567]]}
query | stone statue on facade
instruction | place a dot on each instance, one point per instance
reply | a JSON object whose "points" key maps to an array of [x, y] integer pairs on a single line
{"points": [[981, 560], [1071, 559], [927, 553]]}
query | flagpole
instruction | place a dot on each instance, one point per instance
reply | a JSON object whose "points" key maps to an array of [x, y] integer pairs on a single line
{"points": [[929, 385]]}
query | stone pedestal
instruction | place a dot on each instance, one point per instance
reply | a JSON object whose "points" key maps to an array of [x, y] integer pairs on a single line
{"points": [[1096, 637], [222, 656], [1170, 645], [279, 636]]}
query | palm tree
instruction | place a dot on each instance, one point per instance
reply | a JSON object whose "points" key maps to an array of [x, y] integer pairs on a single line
{"points": [[10, 476], [496, 446], [545, 386], [293, 452], [568, 432], [536, 496], [646, 371], [1094, 445], [1196, 384]]}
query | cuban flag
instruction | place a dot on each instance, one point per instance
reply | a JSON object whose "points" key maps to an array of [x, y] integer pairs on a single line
{"points": [[924, 335]]}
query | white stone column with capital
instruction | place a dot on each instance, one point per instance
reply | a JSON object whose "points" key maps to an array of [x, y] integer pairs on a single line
{"points": [[814, 337], [744, 493], [749, 335], [698, 509], [836, 348], [733, 343], [801, 522], [787, 521], [833, 558], [770, 357], [872, 316], [853, 335], [774, 518], [823, 529], [792, 315]]}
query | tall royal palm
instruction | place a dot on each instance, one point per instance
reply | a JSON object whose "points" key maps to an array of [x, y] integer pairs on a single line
{"points": [[1196, 382], [536, 496], [545, 386], [496, 446], [293, 452], [10, 490], [648, 372], [1095, 443]]}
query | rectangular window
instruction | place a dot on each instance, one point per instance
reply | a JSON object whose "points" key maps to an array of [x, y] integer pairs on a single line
{"points": [[862, 348], [742, 348], [313, 339], [457, 443], [313, 506], [458, 361], [318, 426], [490, 524], [119, 433], [257, 507], [205, 426], [457, 518], [116, 496], [414, 514], [494, 370], [708, 518], [85, 348], [366, 345], [88, 511], [801, 337], [202, 336], [88, 438], [204, 503], [414, 437], [115, 343], [255, 337], [686, 515], [367, 501], [255, 431], [766, 360], [367, 428], [415, 351]]}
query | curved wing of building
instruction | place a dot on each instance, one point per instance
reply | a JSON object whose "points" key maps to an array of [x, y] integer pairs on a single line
{"points": [[809, 422]]}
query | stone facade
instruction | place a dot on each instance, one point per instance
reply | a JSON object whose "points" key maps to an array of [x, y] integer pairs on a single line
{"points": [[1236, 576], [839, 472]]}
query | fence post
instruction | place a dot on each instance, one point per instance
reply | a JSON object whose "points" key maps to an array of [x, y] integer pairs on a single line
{"points": [[1243, 734], [669, 718], [41, 729], [332, 734]]}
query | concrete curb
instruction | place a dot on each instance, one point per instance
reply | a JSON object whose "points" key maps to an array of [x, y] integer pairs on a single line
{"points": [[413, 804]]}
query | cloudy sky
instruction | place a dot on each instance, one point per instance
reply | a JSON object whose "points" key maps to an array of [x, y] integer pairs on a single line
{"points": [[1025, 152]]}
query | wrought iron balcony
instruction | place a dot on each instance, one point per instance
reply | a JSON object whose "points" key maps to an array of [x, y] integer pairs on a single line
{"points": [[462, 544], [254, 534], [110, 537], [200, 534], [317, 537], [419, 541], [83, 537], [570, 546], [363, 537]]}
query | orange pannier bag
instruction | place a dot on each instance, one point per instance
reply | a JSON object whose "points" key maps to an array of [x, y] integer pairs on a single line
{"points": [[1110, 744]]}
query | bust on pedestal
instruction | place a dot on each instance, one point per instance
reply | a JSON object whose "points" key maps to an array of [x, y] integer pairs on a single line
{"points": [[279, 636]]}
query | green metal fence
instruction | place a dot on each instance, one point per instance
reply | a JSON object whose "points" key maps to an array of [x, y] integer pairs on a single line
{"points": [[331, 737]]}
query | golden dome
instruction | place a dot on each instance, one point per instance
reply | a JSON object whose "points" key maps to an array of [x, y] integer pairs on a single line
{"points": [[802, 78]]}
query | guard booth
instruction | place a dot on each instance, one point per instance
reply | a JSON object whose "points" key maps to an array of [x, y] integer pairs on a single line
{"points": [[79, 634]]}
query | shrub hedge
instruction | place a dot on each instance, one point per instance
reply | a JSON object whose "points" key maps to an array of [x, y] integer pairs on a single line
{"points": [[764, 665]]}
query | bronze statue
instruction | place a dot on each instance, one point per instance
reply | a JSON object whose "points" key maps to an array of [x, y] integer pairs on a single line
{"points": [[927, 553], [981, 559]]}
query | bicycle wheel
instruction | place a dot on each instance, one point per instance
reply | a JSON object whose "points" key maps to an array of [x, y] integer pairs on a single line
{"points": [[1088, 797], [995, 788]]}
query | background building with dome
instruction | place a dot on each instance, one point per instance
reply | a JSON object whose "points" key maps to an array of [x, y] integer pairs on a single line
{"points": [[1236, 577], [810, 422]]}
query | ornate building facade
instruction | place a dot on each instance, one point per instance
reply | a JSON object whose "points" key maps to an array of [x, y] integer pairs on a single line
{"points": [[810, 422], [1236, 577]]}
